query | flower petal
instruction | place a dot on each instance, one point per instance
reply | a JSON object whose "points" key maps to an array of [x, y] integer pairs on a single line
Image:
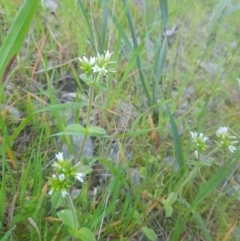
{"points": [[61, 177], [64, 192], [79, 177], [59, 156], [50, 192]]}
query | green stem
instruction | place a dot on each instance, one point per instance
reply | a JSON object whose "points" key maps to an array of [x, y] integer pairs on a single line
{"points": [[88, 116], [82, 147], [209, 154], [191, 174], [89, 106], [73, 210], [195, 169]]}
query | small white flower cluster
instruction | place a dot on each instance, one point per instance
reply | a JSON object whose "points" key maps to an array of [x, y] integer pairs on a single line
{"points": [[224, 140], [65, 176], [199, 142], [97, 64]]}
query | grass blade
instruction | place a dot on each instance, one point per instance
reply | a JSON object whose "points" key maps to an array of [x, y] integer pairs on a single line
{"points": [[88, 24], [199, 219], [219, 11], [3, 183], [7, 142], [161, 58], [17, 33], [122, 33], [177, 144], [8, 234], [105, 22], [205, 191], [231, 10], [164, 10], [135, 44]]}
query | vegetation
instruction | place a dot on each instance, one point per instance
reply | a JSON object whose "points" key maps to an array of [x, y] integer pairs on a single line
{"points": [[154, 85]]}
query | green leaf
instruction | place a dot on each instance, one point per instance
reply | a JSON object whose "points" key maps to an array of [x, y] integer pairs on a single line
{"points": [[84, 78], [17, 33], [8, 234], [77, 128], [167, 203], [73, 130], [62, 106], [57, 199], [69, 133], [164, 11], [177, 144], [101, 86], [85, 234], [172, 198], [160, 61], [137, 217], [96, 131], [84, 169], [150, 234], [68, 220], [168, 210]]}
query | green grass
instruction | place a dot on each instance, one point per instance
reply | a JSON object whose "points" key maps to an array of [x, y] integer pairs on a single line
{"points": [[169, 83]]}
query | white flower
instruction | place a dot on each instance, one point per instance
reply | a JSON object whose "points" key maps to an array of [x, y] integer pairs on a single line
{"points": [[232, 148], [64, 192], [87, 64], [99, 64], [107, 55], [87, 61], [95, 68], [83, 59], [101, 70], [59, 156], [199, 142], [225, 140], [198, 137], [222, 131], [50, 192], [79, 176], [92, 60], [56, 165], [61, 165], [197, 154], [61, 177]]}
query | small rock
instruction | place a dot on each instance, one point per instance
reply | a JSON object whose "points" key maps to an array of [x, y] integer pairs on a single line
{"points": [[210, 68], [52, 5], [135, 176], [74, 150], [10, 110]]}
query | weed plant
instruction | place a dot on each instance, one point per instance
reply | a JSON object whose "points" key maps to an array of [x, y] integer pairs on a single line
{"points": [[156, 87]]}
